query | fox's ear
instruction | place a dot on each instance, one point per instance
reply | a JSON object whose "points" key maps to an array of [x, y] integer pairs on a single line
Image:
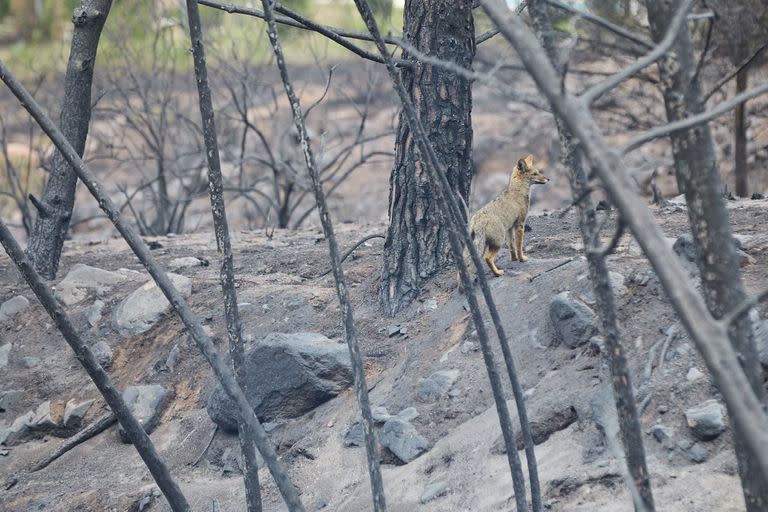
{"points": [[529, 161], [521, 165]]}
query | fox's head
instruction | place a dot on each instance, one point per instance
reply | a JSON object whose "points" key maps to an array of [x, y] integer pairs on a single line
{"points": [[530, 173]]}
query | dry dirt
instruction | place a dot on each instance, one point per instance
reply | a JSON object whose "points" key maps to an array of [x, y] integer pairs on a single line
{"points": [[577, 472]]}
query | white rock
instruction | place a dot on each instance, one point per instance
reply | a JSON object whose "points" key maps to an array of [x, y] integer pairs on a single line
{"points": [[139, 311], [83, 279]]}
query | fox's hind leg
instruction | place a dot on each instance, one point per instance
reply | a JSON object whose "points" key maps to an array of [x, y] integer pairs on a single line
{"points": [[492, 250], [511, 241]]}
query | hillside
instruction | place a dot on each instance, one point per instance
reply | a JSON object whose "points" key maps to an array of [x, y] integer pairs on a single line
{"points": [[279, 292]]}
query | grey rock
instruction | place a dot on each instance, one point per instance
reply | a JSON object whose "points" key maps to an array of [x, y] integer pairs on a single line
{"points": [[30, 361], [408, 414], [320, 503], [44, 418], [678, 200], [574, 322], [5, 351], [392, 330], [403, 440], [18, 431], [686, 250], [685, 444], [436, 385], [186, 262], [430, 304], [74, 412], [706, 420], [139, 311], [618, 285], [286, 375], [7, 398], [698, 453], [173, 358], [355, 436], [469, 346], [663, 435], [694, 374], [13, 307], [93, 314], [380, 414], [81, 280], [434, 490], [146, 403], [102, 353]]}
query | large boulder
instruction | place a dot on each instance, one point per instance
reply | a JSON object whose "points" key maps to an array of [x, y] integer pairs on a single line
{"points": [[574, 322], [139, 311], [285, 376]]}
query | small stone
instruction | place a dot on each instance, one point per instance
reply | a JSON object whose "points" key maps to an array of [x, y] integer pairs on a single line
{"points": [[393, 330], [320, 504], [18, 430], [757, 196], [29, 361], [355, 436], [745, 259], [102, 353], [662, 408], [469, 346], [5, 351], [93, 314], [408, 414], [434, 490], [173, 358], [146, 403], [403, 440], [186, 262], [454, 392], [74, 412], [7, 398], [684, 444], [430, 304], [13, 307], [685, 248], [436, 385], [380, 414], [574, 322], [47, 416], [706, 420], [694, 374], [662, 434], [698, 453]]}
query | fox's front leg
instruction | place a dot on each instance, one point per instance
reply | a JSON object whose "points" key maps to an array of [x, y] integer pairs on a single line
{"points": [[520, 235], [511, 240]]}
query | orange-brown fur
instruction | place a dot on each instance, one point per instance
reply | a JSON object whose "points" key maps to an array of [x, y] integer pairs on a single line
{"points": [[503, 219]]}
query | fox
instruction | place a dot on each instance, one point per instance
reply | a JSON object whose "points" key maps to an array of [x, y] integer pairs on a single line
{"points": [[503, 219]]}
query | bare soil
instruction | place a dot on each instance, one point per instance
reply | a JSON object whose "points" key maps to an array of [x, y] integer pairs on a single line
{"points": [[280, 293]]}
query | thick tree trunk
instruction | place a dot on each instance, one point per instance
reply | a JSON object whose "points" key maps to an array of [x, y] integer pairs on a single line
{"points": [[629, 424], [55, 211], [740, 138], [417, 239], [697, 174]]}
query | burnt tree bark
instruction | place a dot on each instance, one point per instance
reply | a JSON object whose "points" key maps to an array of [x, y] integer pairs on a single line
{"points": [[417, 244], [629, 424], [740, 169], [58, 199], [697, 174]]}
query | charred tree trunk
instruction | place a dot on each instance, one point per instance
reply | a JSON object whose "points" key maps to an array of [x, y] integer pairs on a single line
{"points": [[417, 239], [697, 173], [58, 199], [629, 423], [740, 170]]}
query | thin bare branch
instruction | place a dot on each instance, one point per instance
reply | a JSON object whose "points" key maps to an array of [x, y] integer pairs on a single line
{"points": [[683, 124], [597, 90], [730, 76], [602, 22]]}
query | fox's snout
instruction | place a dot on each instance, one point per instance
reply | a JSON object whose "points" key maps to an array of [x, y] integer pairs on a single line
{"points": [[540, 179]]}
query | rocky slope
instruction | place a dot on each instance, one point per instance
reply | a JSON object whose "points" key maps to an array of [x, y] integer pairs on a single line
{"points": [[427, 379]]}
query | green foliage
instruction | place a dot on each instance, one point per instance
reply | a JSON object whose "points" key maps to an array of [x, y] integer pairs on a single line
{"points": [[4, 6]]}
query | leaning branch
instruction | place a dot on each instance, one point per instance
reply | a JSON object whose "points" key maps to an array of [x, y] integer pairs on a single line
{"points": [[602, 22], [350, 331], [597, 90], [140, 249], [683, 124], [727, 78], [100, 378]]}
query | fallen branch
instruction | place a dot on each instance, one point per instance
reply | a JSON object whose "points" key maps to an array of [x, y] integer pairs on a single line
{"points": [[208, 442], [92, 430], [351, 250], [561, 264]]}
